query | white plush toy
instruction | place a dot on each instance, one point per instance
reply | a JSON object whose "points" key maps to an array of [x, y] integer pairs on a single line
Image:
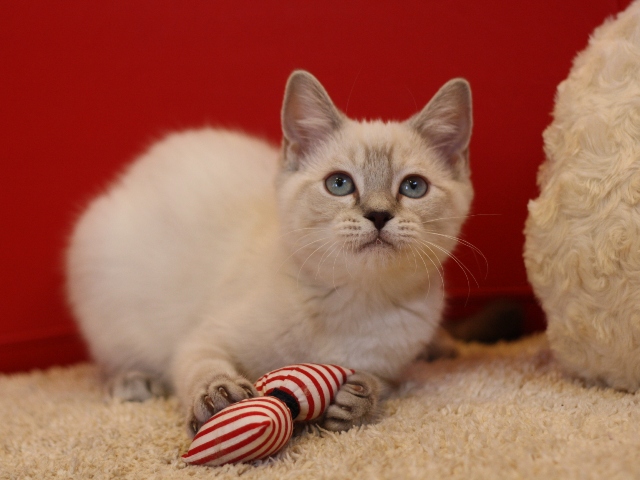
{"points": [[582, 249]]}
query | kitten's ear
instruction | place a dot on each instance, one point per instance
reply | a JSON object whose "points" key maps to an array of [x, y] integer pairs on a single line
{"points": [[308, 114], [445, 123]]}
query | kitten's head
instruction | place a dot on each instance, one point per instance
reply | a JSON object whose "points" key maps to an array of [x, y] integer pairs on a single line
{"points": [[359, 198]]}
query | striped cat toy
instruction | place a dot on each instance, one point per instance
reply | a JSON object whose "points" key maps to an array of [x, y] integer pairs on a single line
{"points": [[258, 427]]}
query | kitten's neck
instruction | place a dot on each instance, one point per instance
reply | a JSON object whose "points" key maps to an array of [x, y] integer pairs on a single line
{"points": [[382, 289]]}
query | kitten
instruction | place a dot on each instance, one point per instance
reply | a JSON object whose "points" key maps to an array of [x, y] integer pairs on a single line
{"points": [[215, 258]]}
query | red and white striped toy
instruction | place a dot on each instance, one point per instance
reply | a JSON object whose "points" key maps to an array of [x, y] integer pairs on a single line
{"points": [[258, 427]]}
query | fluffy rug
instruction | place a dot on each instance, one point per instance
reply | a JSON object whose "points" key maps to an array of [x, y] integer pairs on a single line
{"points": [[504, 411]]}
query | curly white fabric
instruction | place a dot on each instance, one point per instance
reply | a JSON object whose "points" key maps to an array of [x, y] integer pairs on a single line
{"points": [[582, 249]]}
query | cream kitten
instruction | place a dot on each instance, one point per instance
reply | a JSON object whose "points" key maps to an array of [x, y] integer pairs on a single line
{"points": [[215, 258]]}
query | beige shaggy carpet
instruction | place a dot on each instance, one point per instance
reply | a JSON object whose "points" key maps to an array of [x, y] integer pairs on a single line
{"points": [[504, 411]]}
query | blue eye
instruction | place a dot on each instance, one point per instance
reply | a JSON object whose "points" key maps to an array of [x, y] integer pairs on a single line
{"points": [[414, 187], [339, 184]]}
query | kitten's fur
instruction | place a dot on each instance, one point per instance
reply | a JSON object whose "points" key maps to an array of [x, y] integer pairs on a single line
{"points": [[215, 258]]}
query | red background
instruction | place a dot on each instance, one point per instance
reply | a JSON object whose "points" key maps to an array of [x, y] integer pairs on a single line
{"points": [[84, 86]]}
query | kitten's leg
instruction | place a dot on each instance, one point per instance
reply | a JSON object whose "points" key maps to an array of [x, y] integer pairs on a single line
{"points": [[356, 403], [206, 382], [135, 386]]}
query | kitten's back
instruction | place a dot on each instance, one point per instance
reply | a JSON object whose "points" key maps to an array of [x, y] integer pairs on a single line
{"points": [[149, 249]]}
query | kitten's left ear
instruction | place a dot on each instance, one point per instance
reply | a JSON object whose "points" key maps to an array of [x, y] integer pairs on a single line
{"points": [[308, 114], [445, 123]]}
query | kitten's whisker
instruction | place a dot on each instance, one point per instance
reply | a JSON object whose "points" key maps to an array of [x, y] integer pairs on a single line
{"points": [[414, 98], [462, 266], [348, 262], [325, 255], [462, 241], [466, 244], [464, 216], [346, 111], [333, 275], [439, 270], [298, 229], [414, 260], [427, 270], [301, 228], [296, 251], [406, 253], [299, 239], [352, 254], [305, 261], [458, 261]]}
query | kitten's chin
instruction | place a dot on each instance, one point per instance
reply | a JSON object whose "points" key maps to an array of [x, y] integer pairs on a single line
{"points": [[377, 244]]}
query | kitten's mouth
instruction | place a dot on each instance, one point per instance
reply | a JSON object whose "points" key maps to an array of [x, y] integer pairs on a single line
{"points": [[377, 242]]}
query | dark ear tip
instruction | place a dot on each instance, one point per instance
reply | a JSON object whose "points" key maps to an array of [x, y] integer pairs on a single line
{"points": [[300, 71], [461, 85], [458, 88], [301, 76]]}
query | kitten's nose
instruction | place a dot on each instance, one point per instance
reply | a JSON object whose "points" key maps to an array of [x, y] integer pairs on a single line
{"points": [[379, 219]]}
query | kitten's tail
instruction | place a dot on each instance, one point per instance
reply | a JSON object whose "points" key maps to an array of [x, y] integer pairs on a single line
{"points": [[502, 319]]}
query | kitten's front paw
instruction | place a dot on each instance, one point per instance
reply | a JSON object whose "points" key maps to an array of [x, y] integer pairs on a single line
{"points": [[221, 391], [356, 403]]}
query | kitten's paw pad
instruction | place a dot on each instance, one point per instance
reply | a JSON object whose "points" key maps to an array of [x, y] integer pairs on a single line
{"points": [[356, 403], [135, 386], [218, 394]]}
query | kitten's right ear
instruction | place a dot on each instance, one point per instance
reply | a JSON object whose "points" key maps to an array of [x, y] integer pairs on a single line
{"points": [[308, 114]]}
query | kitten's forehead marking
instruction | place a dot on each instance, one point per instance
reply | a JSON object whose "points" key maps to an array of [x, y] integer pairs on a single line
{"points": [[378, 173], [378, 167]]}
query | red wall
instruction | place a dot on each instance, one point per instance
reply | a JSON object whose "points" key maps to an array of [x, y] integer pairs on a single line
{"points": [[84, 86]]}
